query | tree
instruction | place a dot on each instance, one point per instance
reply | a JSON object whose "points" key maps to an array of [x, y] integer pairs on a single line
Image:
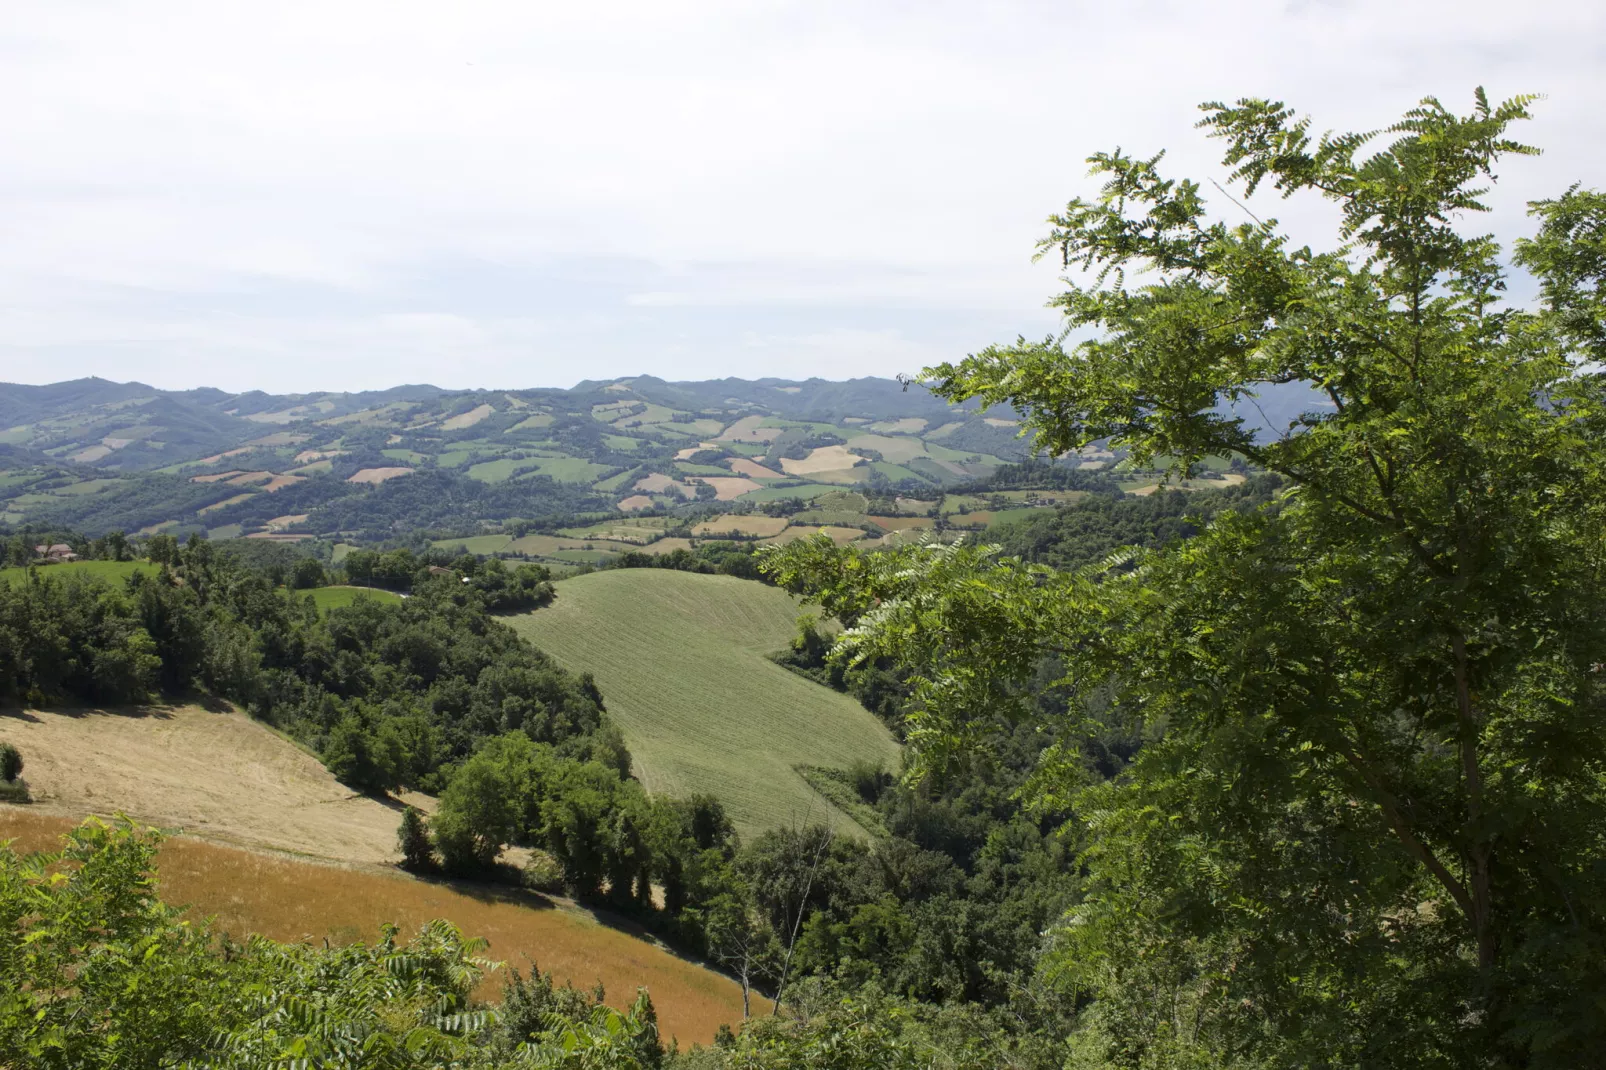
{"points": [[476, 816], [307, 573], [412, 839], [162, 550], [10, 762], [1371, 828]]}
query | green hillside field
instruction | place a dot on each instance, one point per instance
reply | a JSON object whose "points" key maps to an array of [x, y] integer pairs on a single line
{"points": [[327, 598], [110, 571], [680, 659]]}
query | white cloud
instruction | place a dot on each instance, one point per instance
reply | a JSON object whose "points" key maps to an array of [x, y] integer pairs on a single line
{"points": [[191, 186]]}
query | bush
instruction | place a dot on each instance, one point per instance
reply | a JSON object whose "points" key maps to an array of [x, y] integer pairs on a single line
{"points": [[542, 873], [15, 791], [10, 762]]}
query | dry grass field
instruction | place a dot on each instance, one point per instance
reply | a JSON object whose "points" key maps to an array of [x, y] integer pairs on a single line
{"points": [[377, 475], [824, 459], [681, 661], [727, 488], [247, 892], [467, 419], [218, 775], [744, 466]]}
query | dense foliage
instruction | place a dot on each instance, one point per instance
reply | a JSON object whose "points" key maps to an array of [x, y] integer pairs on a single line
{"points": [[97, 972], [1092, 528], [1368, 826], [386, 693]]}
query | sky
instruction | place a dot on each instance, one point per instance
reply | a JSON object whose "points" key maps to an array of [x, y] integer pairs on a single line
{"points": [[343, 195]]}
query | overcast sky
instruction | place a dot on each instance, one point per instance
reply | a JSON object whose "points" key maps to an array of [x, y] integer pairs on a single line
{"points": [[346, 195]]}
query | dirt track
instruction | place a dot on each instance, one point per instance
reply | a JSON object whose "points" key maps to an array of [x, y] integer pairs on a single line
{"points": [[220, 776]]}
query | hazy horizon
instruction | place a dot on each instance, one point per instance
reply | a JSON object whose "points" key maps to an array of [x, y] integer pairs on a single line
{"points": [[304, 197]]}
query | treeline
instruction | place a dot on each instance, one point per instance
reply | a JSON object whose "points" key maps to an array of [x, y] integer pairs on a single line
{"points": [[947, 906], [1091, 528], [388, 694]]}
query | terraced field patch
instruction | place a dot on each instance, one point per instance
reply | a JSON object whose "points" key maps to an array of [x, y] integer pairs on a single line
{"points": [[681, 661], [839, 535], [751, 526], [901, 523]]}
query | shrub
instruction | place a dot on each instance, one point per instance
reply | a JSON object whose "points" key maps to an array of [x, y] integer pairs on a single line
{"points": [[542, 873], [869, 780], [10, 762]]}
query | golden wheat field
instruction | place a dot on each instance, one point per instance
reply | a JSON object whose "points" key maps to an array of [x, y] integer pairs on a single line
{"points": [[248, 892]]}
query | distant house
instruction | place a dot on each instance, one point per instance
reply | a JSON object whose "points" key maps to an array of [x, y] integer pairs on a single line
{"points": [[55, 554], [437, 570]]}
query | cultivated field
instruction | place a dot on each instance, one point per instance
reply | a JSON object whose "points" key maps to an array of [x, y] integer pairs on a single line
{"points": [[110, 571], [756, 526], [288, 900], [839, 535], [681, 661], [744, 466], [728, 488], [377, 475], [823, 459], [218, 775], [467, 419]]}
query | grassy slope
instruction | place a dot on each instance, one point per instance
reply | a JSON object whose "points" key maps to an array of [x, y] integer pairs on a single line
{"points": [[113, 571], [680, 659], [230, 780], [334, 597]]}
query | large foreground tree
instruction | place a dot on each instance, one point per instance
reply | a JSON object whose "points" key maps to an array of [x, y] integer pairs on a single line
{"points": [[1371, 829]]}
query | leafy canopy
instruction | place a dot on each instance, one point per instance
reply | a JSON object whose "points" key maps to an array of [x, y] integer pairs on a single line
{"points": [[1371, 827]]}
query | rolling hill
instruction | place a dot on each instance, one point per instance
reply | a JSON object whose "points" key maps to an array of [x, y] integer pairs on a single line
{"points": [[95, 455], [284, 850], [681, 660]]}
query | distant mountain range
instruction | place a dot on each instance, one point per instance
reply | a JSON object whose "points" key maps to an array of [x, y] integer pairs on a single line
{"points": [[96, 455]]}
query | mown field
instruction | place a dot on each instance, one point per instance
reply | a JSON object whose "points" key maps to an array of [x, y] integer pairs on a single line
{"points": [[681, 661], [291, 853]]}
